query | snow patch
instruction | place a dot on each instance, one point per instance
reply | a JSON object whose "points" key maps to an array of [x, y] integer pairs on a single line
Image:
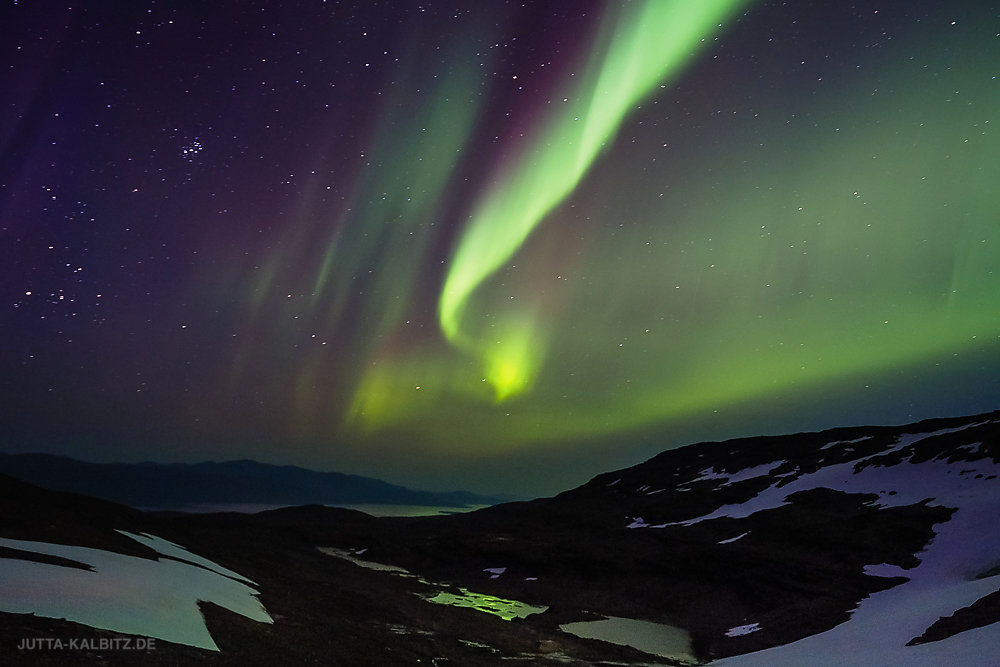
{"points": [[740, 475], [741, 630], [733, 539], [910, 480], [168, 548], [885, 570], [971, 448], [844, 442], [139, 596], [639, 522]]}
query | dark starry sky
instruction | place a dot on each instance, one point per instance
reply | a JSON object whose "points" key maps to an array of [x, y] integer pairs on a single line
{"points": [[451, 245]]}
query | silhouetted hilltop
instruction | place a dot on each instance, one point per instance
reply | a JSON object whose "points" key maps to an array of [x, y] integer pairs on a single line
{"points": [[178, 485]]}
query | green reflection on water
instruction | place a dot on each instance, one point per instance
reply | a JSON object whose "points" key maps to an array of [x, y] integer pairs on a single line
{"points": [[505, 609]]}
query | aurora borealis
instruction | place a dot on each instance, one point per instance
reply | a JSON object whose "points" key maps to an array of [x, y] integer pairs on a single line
{"points": [[487, 245], [647, 44]]}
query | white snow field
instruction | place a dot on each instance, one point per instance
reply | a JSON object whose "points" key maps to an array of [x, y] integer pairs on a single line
{"points": [[152, 598], [945, 580]]}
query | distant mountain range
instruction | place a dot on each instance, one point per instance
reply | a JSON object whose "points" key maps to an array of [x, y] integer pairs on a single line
{"points": [[853, 546], [179, 485]]}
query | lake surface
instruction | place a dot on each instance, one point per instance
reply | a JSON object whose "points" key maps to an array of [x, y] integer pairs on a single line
{"points": [[360, 562], [666, 641], [489, 604]]}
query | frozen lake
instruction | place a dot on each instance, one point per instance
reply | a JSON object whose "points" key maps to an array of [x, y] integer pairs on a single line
{"points": [[490, 604], [666, 641]]}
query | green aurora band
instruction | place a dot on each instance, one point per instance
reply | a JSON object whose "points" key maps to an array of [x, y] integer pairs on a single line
{"points": [[650, 42], [796, 250]]}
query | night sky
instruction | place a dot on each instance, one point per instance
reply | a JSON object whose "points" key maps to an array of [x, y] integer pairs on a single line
{"points": [[490, 245]]}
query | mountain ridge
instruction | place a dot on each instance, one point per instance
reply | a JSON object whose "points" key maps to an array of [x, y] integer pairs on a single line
{"points": [[180, 485]]}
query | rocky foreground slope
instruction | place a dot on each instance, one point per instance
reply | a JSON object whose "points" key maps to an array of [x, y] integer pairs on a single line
{"points": [[872, 542]]}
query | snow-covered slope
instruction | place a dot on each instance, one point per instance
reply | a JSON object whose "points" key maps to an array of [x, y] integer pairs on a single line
{"points": [[953, 467], [953, 570]]}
